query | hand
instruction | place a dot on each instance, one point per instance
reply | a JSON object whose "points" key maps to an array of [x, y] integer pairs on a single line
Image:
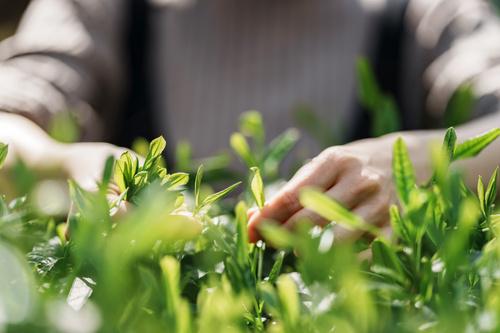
{"points": [[358, 175], [84, 162]]}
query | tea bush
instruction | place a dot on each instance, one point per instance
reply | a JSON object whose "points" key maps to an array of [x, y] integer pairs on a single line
{"points": [[179, 260]]}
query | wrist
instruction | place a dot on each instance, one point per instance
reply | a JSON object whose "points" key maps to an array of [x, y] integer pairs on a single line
{"points": [[28, 142]]}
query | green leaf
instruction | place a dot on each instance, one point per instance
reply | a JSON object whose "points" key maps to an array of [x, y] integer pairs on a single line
{"points": [[480, 194], [278, 149], [449, 142], [212, 198], [367, 84], [170, 268], [242, 149], [474, 146], [289, 299], [491, 190], [197, 186], [64, 127], [108, 171], [241, 233], [17, 290], [125, 170], [276, 270], [404, 175], [384, 255], [331, 210], [183, 156], [257, 187], [385, 117], [460, 106], [251, 125], [140, 146], [176, 180], [322, 132], [4, 149], [156, 147]]}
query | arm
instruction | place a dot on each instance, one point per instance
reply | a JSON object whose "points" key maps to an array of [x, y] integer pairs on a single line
{"points": [[449, 49], [64, 57]]}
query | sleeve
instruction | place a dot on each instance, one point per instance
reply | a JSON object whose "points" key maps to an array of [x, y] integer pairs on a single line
{"points": [[65, 57], [449, 43]]}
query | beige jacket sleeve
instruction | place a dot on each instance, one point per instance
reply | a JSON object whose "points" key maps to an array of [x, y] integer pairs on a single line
{"points": [[450, 43], [65, 56]]}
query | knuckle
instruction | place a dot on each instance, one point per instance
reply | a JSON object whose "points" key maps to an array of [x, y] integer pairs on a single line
{"points": [[289, 200], [382, 205]]}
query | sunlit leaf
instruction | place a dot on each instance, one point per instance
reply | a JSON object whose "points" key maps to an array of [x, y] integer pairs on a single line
{"points": [[402, 168], [276, 270], [257, 187], [197, 186], [251, 125], [333, 211], [4, 149], [287, 293], [242, 149], [474, 146], [212, 198], [156, 147], [449, 142]]}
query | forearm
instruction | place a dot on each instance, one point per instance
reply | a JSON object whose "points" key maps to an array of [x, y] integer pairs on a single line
{"points": [[419, 146], [28, 142]]}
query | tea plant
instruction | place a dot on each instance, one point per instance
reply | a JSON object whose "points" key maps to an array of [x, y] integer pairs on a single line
{"points": [[177, 262]]}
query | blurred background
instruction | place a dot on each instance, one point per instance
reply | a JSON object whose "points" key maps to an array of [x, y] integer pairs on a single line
{"points": [[10, 15]]}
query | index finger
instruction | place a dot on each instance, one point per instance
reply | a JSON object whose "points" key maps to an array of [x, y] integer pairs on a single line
{"points": [[318, 173]]}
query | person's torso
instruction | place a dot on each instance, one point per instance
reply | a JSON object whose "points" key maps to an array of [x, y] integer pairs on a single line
{"points": [[214, 59]]}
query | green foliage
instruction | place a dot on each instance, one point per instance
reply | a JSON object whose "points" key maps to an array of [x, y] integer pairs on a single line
{"points": [[404, 175], [257, 187], [460, 106], [64, 127], [382, 107], [179, 260], [4, 149], [474, 146]]}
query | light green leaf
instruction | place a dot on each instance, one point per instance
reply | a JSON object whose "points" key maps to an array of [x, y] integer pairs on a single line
{"points": [[278, 149], [156, 147], [491, 190], [140, 146], [449, 142], [176, 180], [183, 156], [289, 299], [108, 171], [251, 125], [257, 187], [242, 149], [460, 106], [276, 235], [480, 194], [384, 255], [4, 149], [242, 233], [197, 186], [367, 84], [209, 200], [474, 146], [402, 168], [170, 269], [17, 292], [125, 170], [276, 270], [397, 223], [331, 210]]}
